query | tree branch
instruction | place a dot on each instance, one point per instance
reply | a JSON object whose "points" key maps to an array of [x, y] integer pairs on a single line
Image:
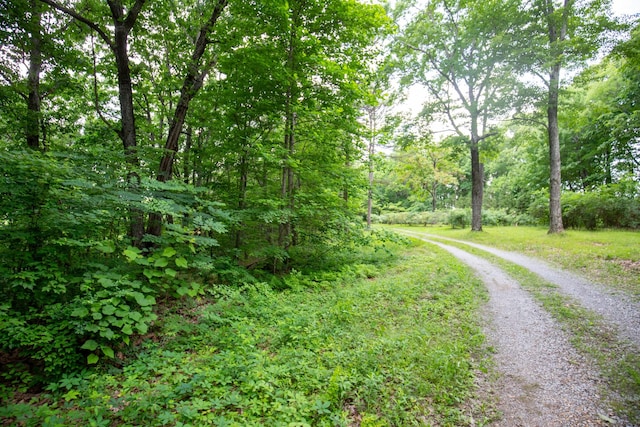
{"points": [[82, 19], [132, 16]]}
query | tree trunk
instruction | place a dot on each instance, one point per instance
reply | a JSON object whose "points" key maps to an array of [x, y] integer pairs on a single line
{"points": [[557, 34], [477, 182], [33, 79], [555, 181], [372, 150], [434, 195], [127, 131], [286, 231], [370, 189], [192, 84]]}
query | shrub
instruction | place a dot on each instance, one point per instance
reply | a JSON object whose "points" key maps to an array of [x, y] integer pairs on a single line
{"points": [[459, 218], [612, 206]]}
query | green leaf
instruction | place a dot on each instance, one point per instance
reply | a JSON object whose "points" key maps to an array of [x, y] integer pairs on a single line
{"points": [[90, 345], [108, 351], [127, 329], [144, 301], [72, 394], [162, 262], [108, 309], [181, 262], [169, 252], [80, 312], [131, 253], [182, 291], [142, 327], [170, 272], [107, 247], [92, 359]]}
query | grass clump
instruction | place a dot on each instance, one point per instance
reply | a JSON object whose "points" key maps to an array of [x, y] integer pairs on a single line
{"points": [[375, 347]]}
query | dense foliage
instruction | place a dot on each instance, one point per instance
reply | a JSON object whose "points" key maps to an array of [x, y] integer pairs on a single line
{"points": [[151, 150], [334, 348]]}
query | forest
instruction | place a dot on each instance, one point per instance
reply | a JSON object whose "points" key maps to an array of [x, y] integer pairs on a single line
{"points": [[157, 152]]}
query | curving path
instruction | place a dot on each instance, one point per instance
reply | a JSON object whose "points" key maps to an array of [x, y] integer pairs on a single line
{"points": [[544, 381], [614, 307]]}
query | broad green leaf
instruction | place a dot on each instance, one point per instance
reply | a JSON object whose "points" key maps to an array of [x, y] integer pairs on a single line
{"points": [[108, 351], [107, 247], [127, 329], [106, 282], [170, 272], [181, 262], [92, 359], [142, 327], [108, 309], [131, 253], [80, 312], [90, 345], [144, 301], [169, 252], [162, 262]]}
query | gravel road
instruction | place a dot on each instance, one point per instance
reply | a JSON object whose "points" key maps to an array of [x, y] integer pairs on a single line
{"points": [[613, 306], [543, 381]]}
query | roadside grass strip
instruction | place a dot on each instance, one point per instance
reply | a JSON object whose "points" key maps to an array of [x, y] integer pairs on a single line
{"points": [[617, 360], [399, 349]]}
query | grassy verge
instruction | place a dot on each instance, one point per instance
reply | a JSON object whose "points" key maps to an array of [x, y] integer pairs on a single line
{"points": [[611, 257], [369, 348], [618, 362]]}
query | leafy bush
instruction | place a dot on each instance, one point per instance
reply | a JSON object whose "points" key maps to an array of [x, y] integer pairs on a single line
{"points": [[459, 218], [612, 206], [72, 287]]}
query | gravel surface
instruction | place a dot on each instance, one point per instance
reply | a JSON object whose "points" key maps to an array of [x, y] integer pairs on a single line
{"points": [[613, 306], [543, 381]]}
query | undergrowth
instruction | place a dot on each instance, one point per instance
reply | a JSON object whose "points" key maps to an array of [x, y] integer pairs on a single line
{"points": [[376, 345]]}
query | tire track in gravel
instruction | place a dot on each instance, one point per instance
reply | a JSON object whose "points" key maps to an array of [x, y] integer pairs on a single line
{"points": [[614, 307], [544, 381]]}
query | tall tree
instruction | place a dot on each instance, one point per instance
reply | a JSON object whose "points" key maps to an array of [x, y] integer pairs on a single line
{"points": [[561, 35], [461, 52]]}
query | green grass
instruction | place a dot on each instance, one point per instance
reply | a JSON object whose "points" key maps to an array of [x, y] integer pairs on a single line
{"points": [[611, 257], [391, 350], [618, 362]]}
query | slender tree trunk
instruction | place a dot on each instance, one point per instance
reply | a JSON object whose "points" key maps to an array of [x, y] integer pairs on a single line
{"points": [[122, 25], [127, 131], [372, 150], [555, 181], [557, 34], [33, 79], [192, 84], [477, 181], [242, 194], [477, 175], [187, 155], [434, 195], [286, 231]]}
